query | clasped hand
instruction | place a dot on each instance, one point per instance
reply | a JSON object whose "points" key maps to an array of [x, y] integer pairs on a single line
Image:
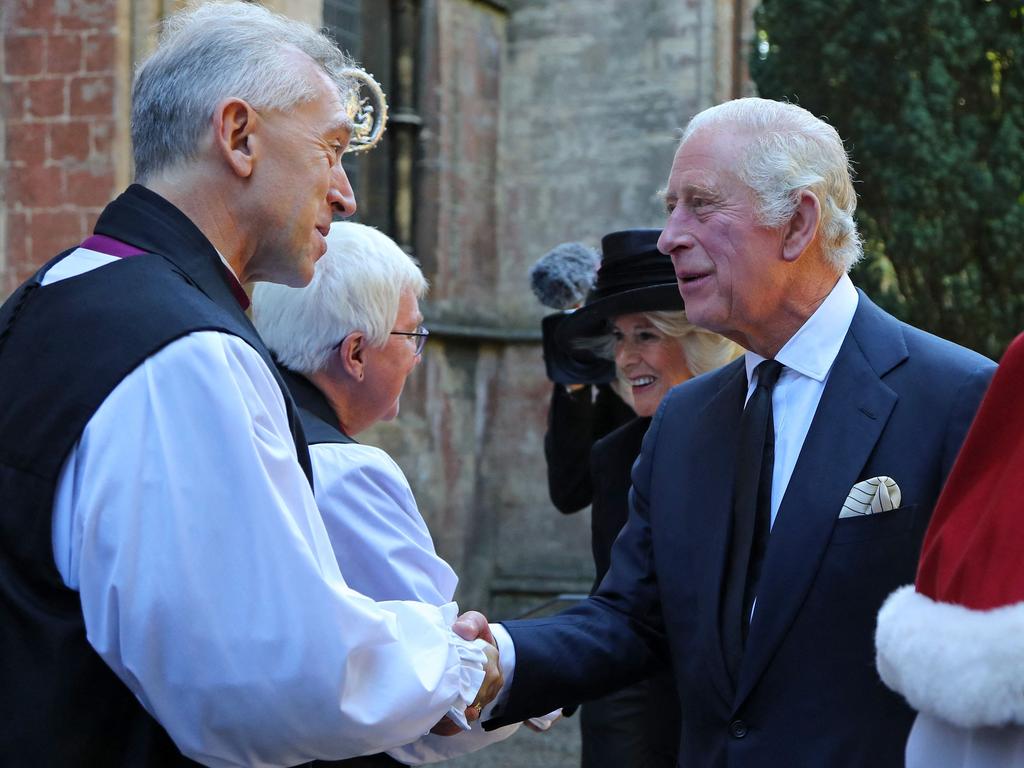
{"points": [[471, 626]]}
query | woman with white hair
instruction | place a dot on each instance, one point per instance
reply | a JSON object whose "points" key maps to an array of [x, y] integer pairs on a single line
{"points": [[345, 344]]}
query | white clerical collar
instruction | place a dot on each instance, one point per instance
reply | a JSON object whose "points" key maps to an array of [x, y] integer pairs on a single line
{"points": [[812, 349]]}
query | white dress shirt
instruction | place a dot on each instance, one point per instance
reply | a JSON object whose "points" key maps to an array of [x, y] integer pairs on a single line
{"points": [[208, 582], [385, 551], [808, 357]]}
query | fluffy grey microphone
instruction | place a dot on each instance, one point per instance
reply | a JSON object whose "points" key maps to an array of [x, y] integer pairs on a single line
{"points": [[561, 277]]}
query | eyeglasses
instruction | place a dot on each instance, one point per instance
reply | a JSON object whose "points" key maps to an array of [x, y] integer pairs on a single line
{"points": [[420, 334]]}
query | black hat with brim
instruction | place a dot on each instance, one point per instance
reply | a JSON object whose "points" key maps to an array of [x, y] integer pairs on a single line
{"points": [[634, 276]]}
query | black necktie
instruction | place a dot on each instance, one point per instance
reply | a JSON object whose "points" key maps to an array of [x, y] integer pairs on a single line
{"points": [[751, 512]]}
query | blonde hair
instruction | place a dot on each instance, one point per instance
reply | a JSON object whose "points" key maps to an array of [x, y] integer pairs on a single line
{"points": [[703, 350]]}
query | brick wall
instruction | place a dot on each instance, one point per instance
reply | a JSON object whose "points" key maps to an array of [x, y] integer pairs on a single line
{"points": [[58, 114]]}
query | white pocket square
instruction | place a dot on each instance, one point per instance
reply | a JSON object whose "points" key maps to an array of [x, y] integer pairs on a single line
{"points": [[869, 497]]}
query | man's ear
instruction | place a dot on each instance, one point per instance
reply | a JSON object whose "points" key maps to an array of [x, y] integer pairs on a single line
{"points": [[802, 227], [234, 122], [352, 352]]}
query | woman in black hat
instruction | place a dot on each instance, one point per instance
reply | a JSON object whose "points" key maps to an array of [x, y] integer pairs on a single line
{"points": [[633, 316]]}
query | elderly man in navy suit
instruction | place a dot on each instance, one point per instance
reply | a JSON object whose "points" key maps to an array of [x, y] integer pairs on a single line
{"points": [[778, 500]]}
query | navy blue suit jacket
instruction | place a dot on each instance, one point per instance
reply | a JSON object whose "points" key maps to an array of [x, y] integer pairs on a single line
{"points": [[898, 402]]}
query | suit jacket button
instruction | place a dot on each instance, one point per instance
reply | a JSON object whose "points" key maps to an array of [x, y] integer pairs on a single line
{"points": [[737, 729]]}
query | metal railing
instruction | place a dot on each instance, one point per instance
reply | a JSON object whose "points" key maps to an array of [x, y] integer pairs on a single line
{"points": [[565, 597]]}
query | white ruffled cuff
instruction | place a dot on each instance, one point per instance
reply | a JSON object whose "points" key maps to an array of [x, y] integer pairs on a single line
{"points": [[469, 657]]}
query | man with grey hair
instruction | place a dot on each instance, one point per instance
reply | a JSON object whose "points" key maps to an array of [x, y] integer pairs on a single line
{"points": [[776, 501], [168, 588]]}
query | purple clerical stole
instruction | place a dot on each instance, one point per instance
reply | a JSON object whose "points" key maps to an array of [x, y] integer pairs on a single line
{"points": [[122, 250]]}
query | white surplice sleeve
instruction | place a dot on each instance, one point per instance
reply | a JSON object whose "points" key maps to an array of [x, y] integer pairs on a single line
{"points": [[209, 585], [380, 539], [385, 550]]}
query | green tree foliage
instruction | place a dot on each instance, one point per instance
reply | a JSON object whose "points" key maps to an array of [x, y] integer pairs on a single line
{"points": [[929, 97]]}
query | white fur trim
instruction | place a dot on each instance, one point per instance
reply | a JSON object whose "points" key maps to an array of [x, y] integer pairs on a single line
{"points": [[958, 664]]}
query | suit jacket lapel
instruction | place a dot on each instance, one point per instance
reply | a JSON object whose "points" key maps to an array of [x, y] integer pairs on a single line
{"points": [[715, 432], [850, 418]]}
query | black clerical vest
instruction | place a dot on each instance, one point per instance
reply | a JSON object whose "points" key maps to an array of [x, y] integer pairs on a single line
{"points": [[319, 421], [63, 348]]}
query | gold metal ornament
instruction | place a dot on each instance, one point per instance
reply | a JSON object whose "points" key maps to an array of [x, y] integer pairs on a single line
{"points": [[367, 108]]}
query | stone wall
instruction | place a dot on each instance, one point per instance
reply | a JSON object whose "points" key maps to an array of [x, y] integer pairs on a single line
{"points": [[595, 91], [63, 94], [543, 122]]}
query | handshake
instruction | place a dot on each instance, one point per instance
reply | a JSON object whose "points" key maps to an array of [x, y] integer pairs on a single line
{"points": [[472, 625]]}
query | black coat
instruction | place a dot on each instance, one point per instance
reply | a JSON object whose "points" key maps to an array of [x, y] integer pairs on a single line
{"points": [[576, 420], [611, 460]]}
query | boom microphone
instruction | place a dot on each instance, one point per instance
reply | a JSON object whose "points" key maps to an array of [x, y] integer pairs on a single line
{"points": [[561, 277]]}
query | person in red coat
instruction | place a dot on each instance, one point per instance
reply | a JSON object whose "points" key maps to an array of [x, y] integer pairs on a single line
{"points": [[952, 643]]}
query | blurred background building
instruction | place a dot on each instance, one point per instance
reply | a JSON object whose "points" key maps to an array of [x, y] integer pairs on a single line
{"points": [[515, 125]]}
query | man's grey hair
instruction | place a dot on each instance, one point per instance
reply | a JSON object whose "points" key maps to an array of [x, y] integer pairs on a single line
{"points": [[791, 150], [215, 51], [356, 286]]}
